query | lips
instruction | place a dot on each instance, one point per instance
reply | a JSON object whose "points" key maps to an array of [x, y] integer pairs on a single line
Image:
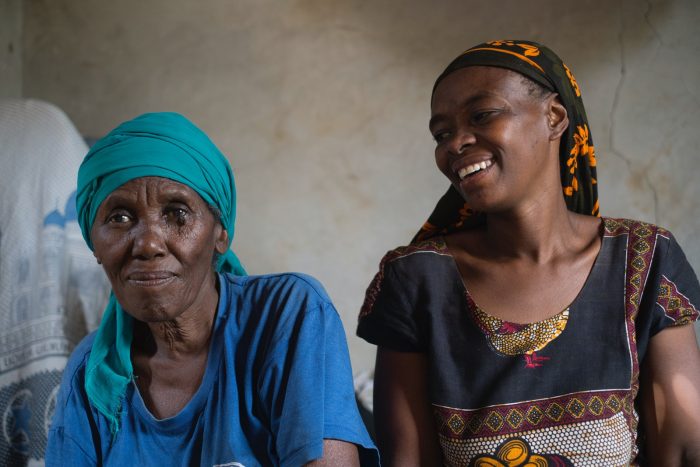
{"points": [[150, 278], [464, 168], [473, 168]]}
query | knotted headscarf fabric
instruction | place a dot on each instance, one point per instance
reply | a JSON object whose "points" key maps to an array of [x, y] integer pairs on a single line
{"points": [[152, 145], [576, 153]]}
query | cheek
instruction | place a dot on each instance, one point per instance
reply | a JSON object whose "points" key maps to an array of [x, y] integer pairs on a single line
{"points": [[196, 248], [111, 262], [442, 162], [529, 135], [106, 248]]}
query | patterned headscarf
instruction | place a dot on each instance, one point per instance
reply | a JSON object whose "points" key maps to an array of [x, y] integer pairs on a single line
{"points": [[156, 145], [576, 153]]}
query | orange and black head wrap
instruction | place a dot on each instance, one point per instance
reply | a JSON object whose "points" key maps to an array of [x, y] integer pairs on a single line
{"points": [[576, 153]]}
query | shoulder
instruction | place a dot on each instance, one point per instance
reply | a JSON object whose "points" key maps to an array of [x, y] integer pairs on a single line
{"points": [[79, 357], [417, 262], [645, 243], [289, 286], [648, 248], [410, 274], [417, 252], [414, 260], [659, 270], [276, 301], [620, 226], [72, 382]]}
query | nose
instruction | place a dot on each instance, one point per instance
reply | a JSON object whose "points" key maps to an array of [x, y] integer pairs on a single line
{"points": [[149, 240], [462, 140]]}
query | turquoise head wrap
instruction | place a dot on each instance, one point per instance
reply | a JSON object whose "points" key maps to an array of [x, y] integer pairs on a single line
{"points": [[152, 145]]}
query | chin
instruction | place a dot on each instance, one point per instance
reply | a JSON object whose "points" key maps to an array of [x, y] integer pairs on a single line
{"points": [[156, 316], [480, 203], [151, 311], [485, 202]]}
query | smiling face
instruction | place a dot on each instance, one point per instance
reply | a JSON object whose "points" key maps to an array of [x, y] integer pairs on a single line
{"points": [[156, 240], [497, 143]]}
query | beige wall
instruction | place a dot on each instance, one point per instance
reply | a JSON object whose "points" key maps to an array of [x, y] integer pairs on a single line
{"points": [[10, 48], [322, 107]]}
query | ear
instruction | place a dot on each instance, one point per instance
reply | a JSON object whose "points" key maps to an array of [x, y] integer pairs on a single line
{"points": [[96, 257], [221, 238], [557, 118]]}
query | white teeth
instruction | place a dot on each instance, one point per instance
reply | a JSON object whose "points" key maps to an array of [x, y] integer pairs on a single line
{"points": [[470, 169]]}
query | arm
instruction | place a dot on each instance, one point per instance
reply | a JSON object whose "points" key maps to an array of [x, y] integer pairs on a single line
{"points": [[305, 386], [405, 429], [337, 453], [670, 398], [62, 450]]}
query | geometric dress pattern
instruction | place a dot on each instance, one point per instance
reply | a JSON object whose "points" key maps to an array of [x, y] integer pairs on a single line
{"points": [[559, 392]]}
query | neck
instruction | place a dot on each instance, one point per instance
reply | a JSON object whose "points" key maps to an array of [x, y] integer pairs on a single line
{"points": [[539, 227], [536, 231], [186, 335]]}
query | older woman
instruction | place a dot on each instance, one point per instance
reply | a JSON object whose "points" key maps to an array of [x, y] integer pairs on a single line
{"points": [[191, 366], [519, 328]]}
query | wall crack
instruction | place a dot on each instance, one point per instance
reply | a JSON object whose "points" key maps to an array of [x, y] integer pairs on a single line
{"points": [[647, 19], [616, 102]]}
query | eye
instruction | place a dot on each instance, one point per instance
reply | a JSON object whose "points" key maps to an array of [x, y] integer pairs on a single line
{"points": [[118, 218], [482, 116], [441, 136], [178, 214]]}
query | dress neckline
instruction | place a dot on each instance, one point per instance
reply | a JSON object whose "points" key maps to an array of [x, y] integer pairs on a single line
{"points": [[183, 419], [511, 338]]}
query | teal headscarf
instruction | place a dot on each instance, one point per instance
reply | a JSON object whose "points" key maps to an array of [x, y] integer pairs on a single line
{"points": [[152, 145]]}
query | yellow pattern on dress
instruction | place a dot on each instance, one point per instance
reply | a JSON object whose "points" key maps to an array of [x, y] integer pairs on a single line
{"points": [[530, 338], [514, 452]]}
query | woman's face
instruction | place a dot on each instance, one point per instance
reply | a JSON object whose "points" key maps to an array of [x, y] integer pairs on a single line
{"points": [[156, 240], [493, 137]]}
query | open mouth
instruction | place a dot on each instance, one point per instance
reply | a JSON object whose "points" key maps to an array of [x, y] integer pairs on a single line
{"points": [[473, 169]]}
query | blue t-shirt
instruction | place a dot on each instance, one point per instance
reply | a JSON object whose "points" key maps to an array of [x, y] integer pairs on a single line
{"points": [[278, 381]]}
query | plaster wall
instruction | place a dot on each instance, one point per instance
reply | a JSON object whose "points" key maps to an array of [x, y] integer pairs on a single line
{"points": [[322, 107], [10, 48]]}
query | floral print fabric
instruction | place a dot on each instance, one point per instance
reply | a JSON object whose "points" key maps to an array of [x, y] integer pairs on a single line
{"points": [[576, 153]]}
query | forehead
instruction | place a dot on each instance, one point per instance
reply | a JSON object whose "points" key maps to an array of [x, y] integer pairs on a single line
{"points": [[476, 81], [144, 189]]}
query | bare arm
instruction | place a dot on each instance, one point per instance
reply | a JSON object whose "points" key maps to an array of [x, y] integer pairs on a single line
{"points": [[402, 415], [337, 453], [670, 396]]}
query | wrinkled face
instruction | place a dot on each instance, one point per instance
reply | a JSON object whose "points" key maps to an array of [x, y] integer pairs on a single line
{"points": [[156, 240], [492, 137]]}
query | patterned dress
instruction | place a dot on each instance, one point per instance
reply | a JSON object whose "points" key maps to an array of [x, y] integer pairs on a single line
{"points": [[561, 391]]}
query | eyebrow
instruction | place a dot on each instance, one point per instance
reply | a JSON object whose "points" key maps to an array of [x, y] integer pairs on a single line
{"points": [[121, 197], [437, 118], [117, 198]]}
